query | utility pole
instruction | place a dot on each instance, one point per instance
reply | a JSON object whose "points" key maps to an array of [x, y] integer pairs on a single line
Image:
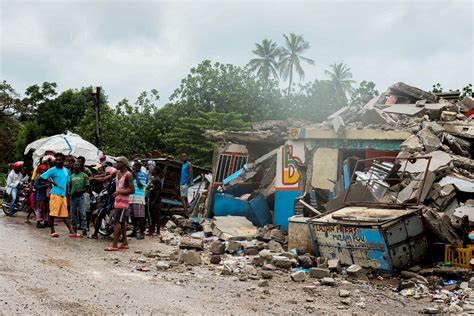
{"points": [[97, 115]]}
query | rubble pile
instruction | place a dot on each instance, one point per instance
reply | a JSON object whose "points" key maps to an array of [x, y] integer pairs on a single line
{"points": [[442, 129]]}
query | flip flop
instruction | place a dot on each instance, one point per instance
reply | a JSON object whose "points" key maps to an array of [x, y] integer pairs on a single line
{"points": [[75, 236], [123, 247], [111, 248], [54, 235]]}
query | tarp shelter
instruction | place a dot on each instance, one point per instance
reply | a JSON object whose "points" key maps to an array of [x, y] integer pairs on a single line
{"points": [[68, 144]]}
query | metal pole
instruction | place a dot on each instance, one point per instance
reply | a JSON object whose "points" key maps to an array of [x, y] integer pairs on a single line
{"points": [[97, 116]]}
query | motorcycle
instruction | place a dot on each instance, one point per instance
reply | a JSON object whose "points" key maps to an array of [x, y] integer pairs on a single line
{"points": [[21, 202], [105, 202]]}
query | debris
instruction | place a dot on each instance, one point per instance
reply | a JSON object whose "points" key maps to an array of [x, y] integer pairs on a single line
{"points": [[334, 265], [328, 281], [344, 293], [405, 109], [298, 276], [275, 246], [448, 116], [215, 259], [429, 140], [233, 227], [263, 283], [281, 262], [233, 246], [356, 271], [190, 257], [163, 265], [191, 243], [319, 273], [266, 274], [412, 145], [217, 247]]}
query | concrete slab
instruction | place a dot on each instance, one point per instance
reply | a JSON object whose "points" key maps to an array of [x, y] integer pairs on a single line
{"points": [[405, 109], [325, 168], [461, 183], [438, 159], [233, 227]]}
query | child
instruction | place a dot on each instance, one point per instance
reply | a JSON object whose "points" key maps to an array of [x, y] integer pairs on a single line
{"points": [[41, 198], [155, 203]]}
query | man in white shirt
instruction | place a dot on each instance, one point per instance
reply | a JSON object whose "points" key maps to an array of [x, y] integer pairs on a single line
{"points": [[13, 180]]}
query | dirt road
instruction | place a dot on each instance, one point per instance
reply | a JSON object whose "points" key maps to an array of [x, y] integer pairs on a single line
{"points": [[39, 275]]}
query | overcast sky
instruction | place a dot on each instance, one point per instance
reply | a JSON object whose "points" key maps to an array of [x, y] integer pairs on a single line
{"points": [[131, 46]]}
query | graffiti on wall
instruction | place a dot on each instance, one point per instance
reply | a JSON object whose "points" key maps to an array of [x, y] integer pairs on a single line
{"points": [[348, 236], [291, 155]]}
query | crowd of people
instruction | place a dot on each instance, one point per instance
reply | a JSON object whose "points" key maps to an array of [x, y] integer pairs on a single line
{"points": [[60, 188]]}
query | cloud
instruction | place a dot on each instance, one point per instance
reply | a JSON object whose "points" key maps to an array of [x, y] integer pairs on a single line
{"points": [[131, 46]]}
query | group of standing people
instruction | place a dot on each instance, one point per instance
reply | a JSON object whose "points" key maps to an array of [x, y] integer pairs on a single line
{"points": [[62, 190]]}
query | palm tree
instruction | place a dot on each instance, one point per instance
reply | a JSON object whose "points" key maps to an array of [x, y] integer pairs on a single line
{"points": [[266, 62], [290, 56], [341, 77]]}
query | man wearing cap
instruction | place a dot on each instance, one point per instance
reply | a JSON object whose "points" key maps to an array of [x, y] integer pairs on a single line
{"points": [[59, 177], [13, 181], [137, 200]]}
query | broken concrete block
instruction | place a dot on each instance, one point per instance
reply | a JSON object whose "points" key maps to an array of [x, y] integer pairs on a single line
{"points": [[319, 273], [402, 89], [266, 274], [298, 276], [258, 261], [281, 262], [429, 140], [458, 145], [275, 246], [328, 281], [412, 145], [344, 293], [190, 257], [448, 116], [374, 116], [338, 124], [267, 254], [217, 247], [434, 110], [334, 265], [233, 246], [414, 190], [171, 226], [356, 271], [405, 109], [191, 243], [277, 235], [434, 127]]}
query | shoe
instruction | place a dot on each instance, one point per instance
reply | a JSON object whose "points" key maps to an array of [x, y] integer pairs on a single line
{"points": [[141, 236], [84, 233], [132, 234], [38, 224], [46, 224]]}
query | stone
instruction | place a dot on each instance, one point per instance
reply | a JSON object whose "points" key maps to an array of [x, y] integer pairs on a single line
{"points": [[233, 246], [346, 301], [189, 257], [215, 259], [344, 293], [263, 283], [322, 262], [429, 140], [334, 265], [267, 254], [464, 285], [471, 283], [305, 261], [191, 243], [319, 273], [253, 247], [434, 127], [258, 261], [356, 271], [455, 309], [171, 226], [298, 276], [275, 246], [412, 145], [281, 262], [266, 274], [277, 235], [163, 265], [431, 310], [328, 281], [217, 247]]}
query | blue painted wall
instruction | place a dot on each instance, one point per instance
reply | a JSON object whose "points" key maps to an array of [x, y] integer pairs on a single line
{"points": [[284, 207]]}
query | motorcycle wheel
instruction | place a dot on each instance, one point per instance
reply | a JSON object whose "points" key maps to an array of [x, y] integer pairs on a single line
{"points": [[5, 207], [106, 227]]}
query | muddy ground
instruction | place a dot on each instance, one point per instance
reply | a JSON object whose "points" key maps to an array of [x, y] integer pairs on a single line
{"points": [[40, 275]]}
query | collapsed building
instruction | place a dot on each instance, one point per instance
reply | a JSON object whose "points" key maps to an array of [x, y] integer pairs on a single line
{"points": [[400, 166]]}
